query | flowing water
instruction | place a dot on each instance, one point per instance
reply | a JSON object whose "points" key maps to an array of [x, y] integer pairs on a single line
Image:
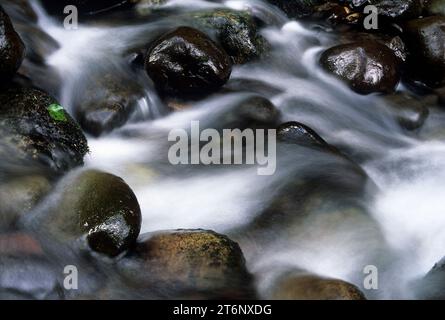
{"points": [[405, 235]]}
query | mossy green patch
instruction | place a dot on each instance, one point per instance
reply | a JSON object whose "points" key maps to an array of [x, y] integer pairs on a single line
{"points": [[57, 112]]}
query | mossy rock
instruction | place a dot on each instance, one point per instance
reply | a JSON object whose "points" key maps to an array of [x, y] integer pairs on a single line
{"points": [[93, 207], [235, 31], [190, 263], [302, 286], [39, 129]]}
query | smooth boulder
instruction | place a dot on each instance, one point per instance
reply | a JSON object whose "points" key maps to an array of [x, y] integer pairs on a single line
{"points": [[93, 209], [188, 263], [303, 286], [107, 103], [366, 67], [294, 132], [186, 62]]}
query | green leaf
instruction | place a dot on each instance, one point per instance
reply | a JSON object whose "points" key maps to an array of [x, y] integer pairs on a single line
{"points": [[57, 112]]}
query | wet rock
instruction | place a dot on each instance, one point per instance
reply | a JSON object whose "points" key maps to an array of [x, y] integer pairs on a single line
{"points": [[107, 103], [30, 277], [395, 43], [20, 195], [96, 208], [436, 7], [254, 112], [297, 133], [12, 49], [186, 62], [425, 38], [354, 3], [297, 8], [366, 67], [398, 9], [235, 31], [35, 124], [431, 286], [188, 263], [338, 14], [301, 286], [257, 111], [409, 111]]}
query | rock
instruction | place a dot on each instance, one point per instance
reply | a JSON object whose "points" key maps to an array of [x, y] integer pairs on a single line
{"points": [[366, 67], [235, 31], [338, 14], [254, 112], [189, 263], [398, 9], [20, 195], [297, 8], [186, 62], [97, 208], [395, 43], [85, 7], [409, 111], [107, 103], [424, 39], [29, 277], [301, 286], [354, 3], [12, 49], [257, 111], [436, 7], [297, 133], [431, 286], [35, 124]]}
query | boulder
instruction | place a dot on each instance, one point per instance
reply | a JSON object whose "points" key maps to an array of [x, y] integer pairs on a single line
{"points": [[186, 62], [366, 67], [38, 129], [303, 286], [91, 210], [235, 31], [425, 40], [188, 263]]}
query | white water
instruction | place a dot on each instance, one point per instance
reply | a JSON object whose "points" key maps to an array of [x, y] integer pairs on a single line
{"points": [[408, 170]]}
